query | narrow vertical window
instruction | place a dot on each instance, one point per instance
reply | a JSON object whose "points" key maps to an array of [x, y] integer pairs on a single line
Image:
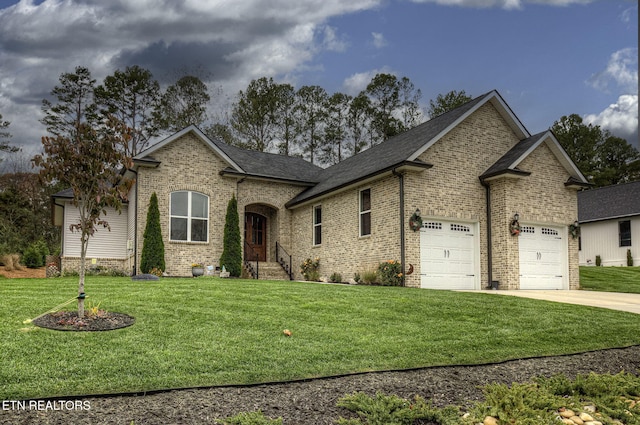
{"points": [[317, 225], [365, 212], [624, 230]]}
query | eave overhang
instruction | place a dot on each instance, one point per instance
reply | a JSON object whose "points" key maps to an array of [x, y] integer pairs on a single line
{"points": [[404, 166]]}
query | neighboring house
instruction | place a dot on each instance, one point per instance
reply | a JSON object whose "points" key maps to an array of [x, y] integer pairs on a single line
{"points": [[466, 172], [610, 224]]}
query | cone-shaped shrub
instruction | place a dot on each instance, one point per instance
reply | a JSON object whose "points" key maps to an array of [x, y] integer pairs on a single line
{"points": [[153, 247], [231, 257]]}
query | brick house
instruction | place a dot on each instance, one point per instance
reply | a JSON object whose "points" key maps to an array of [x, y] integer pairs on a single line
{"points": [[465, 174]]}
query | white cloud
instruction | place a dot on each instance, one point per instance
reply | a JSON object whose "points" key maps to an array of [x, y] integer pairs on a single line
{"points": [[378, 40], [332, 41], [621, 72], [355, 83], [620, 118], [505, 4]]}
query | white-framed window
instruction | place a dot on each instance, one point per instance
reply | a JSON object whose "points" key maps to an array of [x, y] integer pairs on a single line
{"points": [[189, 213], [317, 225], [365, 212], [624, 232]]}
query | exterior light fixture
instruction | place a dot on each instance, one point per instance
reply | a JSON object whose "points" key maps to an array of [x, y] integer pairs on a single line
{"points": [[514, 226], [415, 222]]}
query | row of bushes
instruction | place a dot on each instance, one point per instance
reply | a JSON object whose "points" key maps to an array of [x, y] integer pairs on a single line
{"points": [[388, 273], [34, 256], [629, 259]]}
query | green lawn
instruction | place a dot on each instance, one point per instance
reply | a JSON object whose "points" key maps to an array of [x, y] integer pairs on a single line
{"points": [[610, 279], [206, 331]]}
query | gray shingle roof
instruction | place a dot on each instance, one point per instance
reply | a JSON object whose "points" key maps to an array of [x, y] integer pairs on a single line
{"points": [[505, 163], [270, 165], [621, 200]]}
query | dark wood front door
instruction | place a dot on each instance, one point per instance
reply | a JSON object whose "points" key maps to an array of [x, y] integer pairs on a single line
{"points": [[255, 234]]}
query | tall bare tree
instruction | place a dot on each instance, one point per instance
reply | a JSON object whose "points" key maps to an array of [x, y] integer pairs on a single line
{"points": [[131, 96]]}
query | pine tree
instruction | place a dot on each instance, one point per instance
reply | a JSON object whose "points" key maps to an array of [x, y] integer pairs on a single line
{"points": [[231, 257], [153, 247]]}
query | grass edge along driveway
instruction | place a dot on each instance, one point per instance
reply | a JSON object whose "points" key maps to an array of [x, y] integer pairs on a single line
{"points": [[207, 331]]}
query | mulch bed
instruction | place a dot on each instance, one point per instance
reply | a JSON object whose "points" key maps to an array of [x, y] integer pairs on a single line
{"points": [[314, 401], [69, 321]]}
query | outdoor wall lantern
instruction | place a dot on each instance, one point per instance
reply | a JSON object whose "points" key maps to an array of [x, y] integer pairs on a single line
{"points": [[415, 222], [574, 229], [514, 226]]}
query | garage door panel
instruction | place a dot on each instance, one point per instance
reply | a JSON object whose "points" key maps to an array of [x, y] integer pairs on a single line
{"points": [[447, 255], [541, 258]]}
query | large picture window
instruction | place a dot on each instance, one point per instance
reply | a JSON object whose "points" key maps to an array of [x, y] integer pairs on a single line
{"points": [[365, 212], [189, 217], [317, 225], [624, 230]]}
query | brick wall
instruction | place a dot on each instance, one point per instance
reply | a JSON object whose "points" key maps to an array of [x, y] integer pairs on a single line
{"points": [[451, 189], [190, 164], [186, 164], [68, 264], [540, 198], [343, 250]]}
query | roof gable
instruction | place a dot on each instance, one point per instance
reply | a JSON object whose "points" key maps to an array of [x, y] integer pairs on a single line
{"points": [[146, 155], [609, 202], [508, 163], [452, 119]]}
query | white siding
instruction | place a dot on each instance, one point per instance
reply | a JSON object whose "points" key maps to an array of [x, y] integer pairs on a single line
{"points": [[601, 238], [104, 243], [131, 217]]}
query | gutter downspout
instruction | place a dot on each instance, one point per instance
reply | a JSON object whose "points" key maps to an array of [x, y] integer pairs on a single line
{"points": [[135, 227], [402, 241], [489, 244]]}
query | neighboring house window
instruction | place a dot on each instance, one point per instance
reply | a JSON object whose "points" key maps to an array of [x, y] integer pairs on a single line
{"points": [[624, 230], [189, 217], [317, 225], [365, 212]]}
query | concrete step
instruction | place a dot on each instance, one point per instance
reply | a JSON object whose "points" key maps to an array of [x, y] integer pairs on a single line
{"points": [[268, 271]]}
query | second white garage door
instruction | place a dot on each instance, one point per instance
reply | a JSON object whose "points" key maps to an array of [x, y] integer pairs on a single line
{"points": [[448, 255], [542, 257]]}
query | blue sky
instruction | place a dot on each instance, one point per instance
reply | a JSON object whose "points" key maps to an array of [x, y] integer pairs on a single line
{"points": [[548, 58]]}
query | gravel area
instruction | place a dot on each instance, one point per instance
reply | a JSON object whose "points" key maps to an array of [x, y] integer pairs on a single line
{"points": [[313, 401]]}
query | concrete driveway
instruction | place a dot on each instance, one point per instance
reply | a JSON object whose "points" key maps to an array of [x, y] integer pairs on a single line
{"points": [[611, 300]]}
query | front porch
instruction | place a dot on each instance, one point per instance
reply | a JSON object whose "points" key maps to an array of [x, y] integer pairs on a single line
{"points": [[263, 255]]}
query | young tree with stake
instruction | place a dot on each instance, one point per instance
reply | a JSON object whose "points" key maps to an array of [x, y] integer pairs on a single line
{"points": [[84, 152]]}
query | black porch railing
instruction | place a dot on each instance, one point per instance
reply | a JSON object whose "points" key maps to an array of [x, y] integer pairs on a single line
{"points": [[284, 259], [252, 266]]}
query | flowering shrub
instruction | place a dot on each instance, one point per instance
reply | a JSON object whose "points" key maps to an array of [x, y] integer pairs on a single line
{"points": [[156, 271], [390, 273], [309, 269]]}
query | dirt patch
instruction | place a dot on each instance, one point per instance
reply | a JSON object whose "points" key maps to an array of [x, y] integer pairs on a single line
{"points": [[69, 321], [40, 272], [314, 401]]}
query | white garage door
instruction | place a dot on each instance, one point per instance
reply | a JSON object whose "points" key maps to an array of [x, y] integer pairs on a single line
{"points": [[447, 255], [542, 257]]}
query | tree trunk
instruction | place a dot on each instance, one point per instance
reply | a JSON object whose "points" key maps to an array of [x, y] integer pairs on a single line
{"points": [[84, 239]]}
